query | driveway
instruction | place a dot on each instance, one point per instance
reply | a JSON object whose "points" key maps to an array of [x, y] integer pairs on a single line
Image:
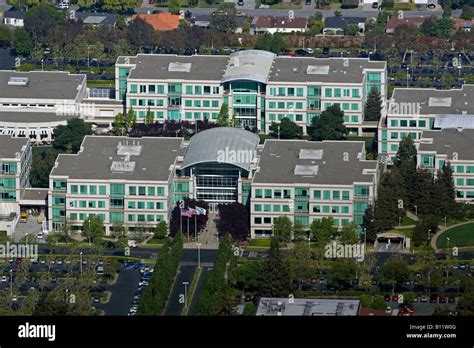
{"points": [[186, 274], [122, 293], [32, 227]]}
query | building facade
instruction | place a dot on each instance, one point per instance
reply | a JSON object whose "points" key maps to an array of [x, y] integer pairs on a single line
{"points": [[415, 110], [453, 146], [15, 164], [311, 180], [258, 87]]}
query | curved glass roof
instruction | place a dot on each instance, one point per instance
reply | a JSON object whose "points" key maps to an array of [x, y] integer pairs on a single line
{"points": [[223, 145], [253, 65]]}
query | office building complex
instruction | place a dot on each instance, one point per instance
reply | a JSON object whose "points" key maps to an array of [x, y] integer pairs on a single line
{"points": [[415, 110], [258, 87], [453, 146], [311, 180]]}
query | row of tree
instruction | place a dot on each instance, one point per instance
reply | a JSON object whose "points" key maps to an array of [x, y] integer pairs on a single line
{"points": [[156, 294], [406, 187], [216, 296]]}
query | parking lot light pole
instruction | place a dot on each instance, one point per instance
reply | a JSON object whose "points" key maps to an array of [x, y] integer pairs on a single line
{"points": [[416, 210], [11, 283], [199, 254], [447, 240], [81, 261], [185, 293]]}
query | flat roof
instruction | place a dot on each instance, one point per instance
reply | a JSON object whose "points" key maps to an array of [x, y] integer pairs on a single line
{"points": [[42, 85], [31, 117], [156, 66], [434, 101], [450, 141], [98, 153], [9, 146], [254, 65], [34, 194], [280, 163], [307, 307], [337, 70]]}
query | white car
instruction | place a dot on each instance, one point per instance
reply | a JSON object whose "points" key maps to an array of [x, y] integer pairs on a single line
{"points": [[143, 283], [40, 235], [100, 270], [62, 6], [388, 310], [309, 50], [4, 279]]}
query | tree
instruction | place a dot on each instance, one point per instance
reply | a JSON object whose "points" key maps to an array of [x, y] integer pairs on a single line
{"points": [[428, 25], [373, 106], [443, 28], [447, 79], [466, 304], [223, 117], [40, 22], [351, 29], [445, 191], [323, 231], [316, 23], [22, 42], [177, 219], [140, 34], [43, 162], [223, 20], [425, 226], [342, 272], [70, 137], [149, 117], [386, 208], [234, 219], [300, 263], [161, 230], [329, 126], [276, 280], [349, 234], [394, 271], [406, 162], [117, 5], [6, 36], [174, 7], [271, 42], [282, 228], [93, 229], [286, 129], [467, 12]]}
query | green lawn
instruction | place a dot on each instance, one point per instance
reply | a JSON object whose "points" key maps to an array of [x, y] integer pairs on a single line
{"points": [[407, 232], [406, 221], [459, 236]]}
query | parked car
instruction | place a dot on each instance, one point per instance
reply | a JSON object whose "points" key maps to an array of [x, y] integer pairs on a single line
{"points": [[100, 270], [424, 298], [394, 298], [388, 310], [4, 279], [375, 5]]}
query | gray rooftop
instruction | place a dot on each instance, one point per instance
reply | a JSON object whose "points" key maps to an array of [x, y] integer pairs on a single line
{"points": [[338, 70], [34, 194], [283, 162], [99, 155], [156, 66], [307, 307], [251, 65], [41, 85], [449, 141], [225, 145], [32, 117], [433, 101], [10, 146], [256, 65]]}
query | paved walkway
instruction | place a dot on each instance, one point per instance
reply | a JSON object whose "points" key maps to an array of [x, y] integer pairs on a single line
{"points": [[207, 237]]}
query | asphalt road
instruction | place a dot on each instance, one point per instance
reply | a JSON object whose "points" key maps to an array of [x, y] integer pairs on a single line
{"points": [[310, 12], [186, 274], [122, 293]]}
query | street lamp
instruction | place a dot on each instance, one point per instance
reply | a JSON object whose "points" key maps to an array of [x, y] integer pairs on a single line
{"points": [[185, 292], [445, 221], [408, 69], [81, 261], [429, 234], [416, 210], [11, 282], [199, 254], [447, 239], [399, 221]]}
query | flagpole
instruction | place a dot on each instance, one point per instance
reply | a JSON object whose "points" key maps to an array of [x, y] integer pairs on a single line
{"points": [[188, 229]]}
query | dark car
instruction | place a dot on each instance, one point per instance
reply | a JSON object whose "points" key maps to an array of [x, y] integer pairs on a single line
{"points": [[240, 2], [307, 2], [434, 298], [302, 53], [375, 5], [325, 51]]}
